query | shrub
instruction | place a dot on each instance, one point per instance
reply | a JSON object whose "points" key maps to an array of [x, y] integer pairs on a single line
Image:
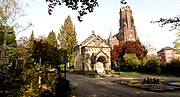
{"points": [[163, 66], [131, 62], [62, 88], [174, 67], [151, 66]]}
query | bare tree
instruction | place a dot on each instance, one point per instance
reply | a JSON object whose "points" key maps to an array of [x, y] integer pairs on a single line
{"points": [[174, 22], [149, 47], [10, 12]]}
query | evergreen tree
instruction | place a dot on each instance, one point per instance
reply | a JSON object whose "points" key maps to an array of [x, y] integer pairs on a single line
{"points": [[29, 48], [31, 41], [52, 39], [67, 38]]}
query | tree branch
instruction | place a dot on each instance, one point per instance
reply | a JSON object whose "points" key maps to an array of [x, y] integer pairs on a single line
{"points": [[175, 22]]}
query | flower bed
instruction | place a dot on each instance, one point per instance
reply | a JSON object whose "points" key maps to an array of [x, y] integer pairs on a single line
{"points": [[157, 86], [174, 83]]}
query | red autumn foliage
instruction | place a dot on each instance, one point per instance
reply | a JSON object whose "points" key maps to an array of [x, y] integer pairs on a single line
{"points": [[129, 47], [115, 53], [21, 50], [134, 47]]}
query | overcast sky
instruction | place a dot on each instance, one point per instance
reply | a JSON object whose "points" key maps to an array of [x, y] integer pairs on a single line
{"points": [[105, 18]]}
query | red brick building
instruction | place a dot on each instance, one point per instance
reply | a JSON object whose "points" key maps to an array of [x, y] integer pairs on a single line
{"points": [[127, 30]]}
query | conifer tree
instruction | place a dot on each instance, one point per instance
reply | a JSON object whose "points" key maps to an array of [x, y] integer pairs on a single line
{"points": [[29, 47], [52, 39], [67, 38]]}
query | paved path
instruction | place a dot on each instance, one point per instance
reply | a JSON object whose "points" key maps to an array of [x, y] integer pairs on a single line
{"points": [[102, 87]]}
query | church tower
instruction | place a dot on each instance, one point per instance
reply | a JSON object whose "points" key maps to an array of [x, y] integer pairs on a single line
{"points": [[127, 30]]}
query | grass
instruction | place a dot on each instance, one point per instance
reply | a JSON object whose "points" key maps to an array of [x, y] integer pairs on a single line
{"points": [[91, 74], [121, 72], [139, 74], [150, 87]]}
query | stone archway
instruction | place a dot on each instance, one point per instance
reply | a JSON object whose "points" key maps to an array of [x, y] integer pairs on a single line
{"points": [[101, 59], [100, 65]]}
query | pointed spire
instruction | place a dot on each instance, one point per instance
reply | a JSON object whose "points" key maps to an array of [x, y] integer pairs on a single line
{"points": [[93, 33], [110, 35]]}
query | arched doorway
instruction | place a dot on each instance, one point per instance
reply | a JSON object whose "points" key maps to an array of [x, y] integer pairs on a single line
{"points": [[101, 59], [100, 65]]}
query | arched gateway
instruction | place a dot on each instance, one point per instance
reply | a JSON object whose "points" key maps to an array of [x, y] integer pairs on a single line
{"points": [[93, 54]]}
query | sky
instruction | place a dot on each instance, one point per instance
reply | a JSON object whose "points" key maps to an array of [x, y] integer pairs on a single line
{"points": [[105, 19]]}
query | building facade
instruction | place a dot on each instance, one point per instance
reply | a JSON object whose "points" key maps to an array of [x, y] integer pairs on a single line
{"points": [[167, 53], [93, 54]]}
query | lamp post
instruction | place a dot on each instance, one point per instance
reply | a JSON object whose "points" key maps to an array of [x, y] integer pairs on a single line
{"points": [[66, 60]]}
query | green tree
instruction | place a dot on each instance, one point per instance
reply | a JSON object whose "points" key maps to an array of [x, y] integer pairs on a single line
{"points": [[10, 74], [52, 39], [147, 58], [37, 78], [67, 38], [131, 62], [143, 65], [177, 42], [152, 66], [40, 73], [56, 52], [29, 49], [174, 67]]}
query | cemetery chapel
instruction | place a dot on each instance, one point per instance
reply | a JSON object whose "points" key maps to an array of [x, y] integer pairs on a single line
{"points": [[93, 54]]}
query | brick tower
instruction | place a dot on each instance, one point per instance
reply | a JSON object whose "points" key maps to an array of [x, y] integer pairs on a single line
{"points": [[127, 30]]}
